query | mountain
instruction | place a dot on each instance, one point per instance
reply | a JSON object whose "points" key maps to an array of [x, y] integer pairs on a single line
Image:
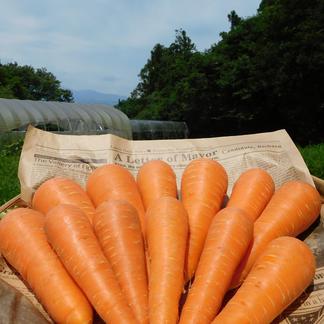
{"points": [[95, 97]]}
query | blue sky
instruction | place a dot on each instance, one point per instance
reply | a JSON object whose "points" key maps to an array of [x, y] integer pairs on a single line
{"points": [[102, 44]]}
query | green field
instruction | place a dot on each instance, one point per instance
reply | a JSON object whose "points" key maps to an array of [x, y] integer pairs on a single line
{"points": [[314, 158], [9, 183]]}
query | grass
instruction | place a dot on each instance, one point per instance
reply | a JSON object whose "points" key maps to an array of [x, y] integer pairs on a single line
{"points": [[9, 183], [314, 158], [9, 157]]}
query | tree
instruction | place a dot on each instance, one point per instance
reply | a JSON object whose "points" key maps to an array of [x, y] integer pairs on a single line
{"points": [[166, 83], [25, 82], [234, 19], [266, 73], [273, 69]]}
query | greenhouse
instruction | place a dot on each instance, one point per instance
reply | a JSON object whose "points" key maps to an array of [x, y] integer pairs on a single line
{"points": [[72, 118], [156, 129]]}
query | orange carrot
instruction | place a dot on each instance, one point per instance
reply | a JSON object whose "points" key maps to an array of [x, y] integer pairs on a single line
{"points": [[167, 232], [118, 230], [112, 181], [227, 240], [291, 210], [280, 275], [23, 243], [252, 191], [56, 191], [156, 179], [72, 237], [203, 187]]}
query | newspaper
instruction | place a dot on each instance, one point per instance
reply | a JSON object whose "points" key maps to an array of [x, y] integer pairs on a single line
{"points": [[46, 154]]}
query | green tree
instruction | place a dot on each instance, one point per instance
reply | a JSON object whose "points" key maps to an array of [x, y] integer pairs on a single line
{"points": [[266, 73], [273, 69], [165, 90], [234, 19], [25, 82]]}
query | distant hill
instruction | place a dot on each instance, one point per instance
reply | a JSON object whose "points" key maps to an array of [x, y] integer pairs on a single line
{"points": [[95, 97]]}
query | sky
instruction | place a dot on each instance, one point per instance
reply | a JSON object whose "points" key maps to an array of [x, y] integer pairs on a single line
{"points": [[103, 44]]}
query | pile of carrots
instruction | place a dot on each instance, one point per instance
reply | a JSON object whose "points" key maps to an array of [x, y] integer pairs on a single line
{"points": [[137, 251]]}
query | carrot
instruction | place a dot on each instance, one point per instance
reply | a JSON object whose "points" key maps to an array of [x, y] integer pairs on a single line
{"points": [[118, 230], [156, 179], [72, 237], [291, 210], [203, 187], [23, 243], [227, 240], [112, 181], [58, 190], [280, 275], [252, 191], [167, 231]]}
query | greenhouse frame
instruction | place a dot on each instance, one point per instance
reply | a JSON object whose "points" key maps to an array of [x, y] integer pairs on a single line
{"points": [[81, 119]]}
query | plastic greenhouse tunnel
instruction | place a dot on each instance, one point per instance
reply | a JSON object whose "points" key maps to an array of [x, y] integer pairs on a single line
{"points": [[156, 129], [80, 119]]}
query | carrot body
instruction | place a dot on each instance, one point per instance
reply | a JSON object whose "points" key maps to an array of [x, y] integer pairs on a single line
{"points": [[72, 237], [118, 230], [23, 243], [228, 238], [167, 231], [252, 191], [280, 275], [112, 181], [56, 191], [291, 210], [203, 187], [156, 179]]}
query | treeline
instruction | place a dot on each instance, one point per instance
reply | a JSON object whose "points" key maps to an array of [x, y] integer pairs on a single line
{"points": [[25, 82], [266, 73]]}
